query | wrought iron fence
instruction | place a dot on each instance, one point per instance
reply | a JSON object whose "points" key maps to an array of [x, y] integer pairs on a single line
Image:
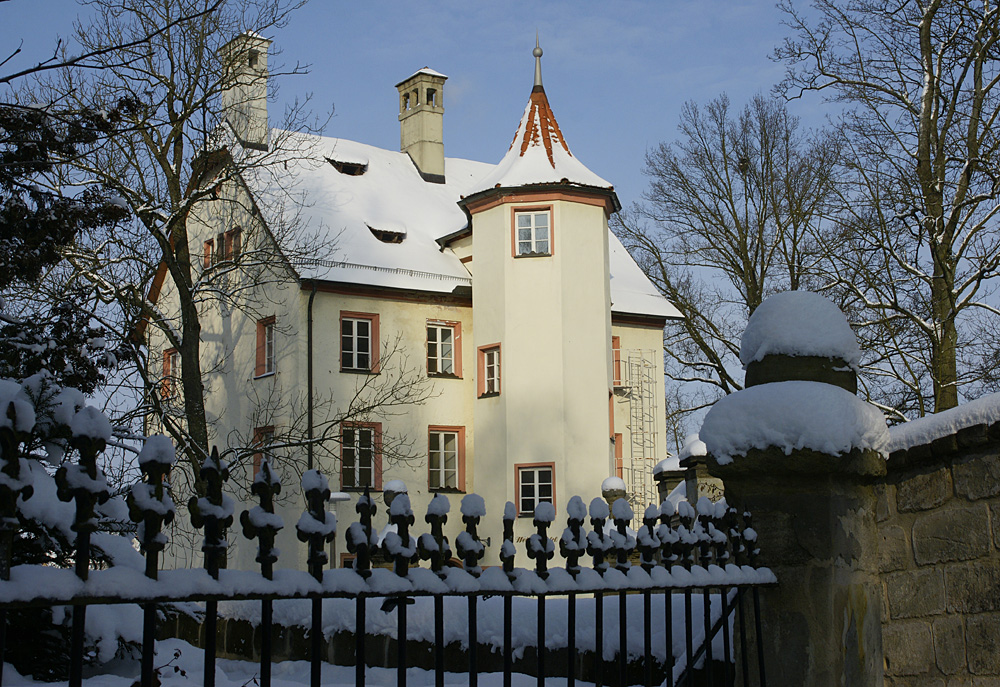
{"points": [[685, 553]]}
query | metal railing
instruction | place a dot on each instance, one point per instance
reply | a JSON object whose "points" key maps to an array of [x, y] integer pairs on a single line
{"points": [[682, 555]]}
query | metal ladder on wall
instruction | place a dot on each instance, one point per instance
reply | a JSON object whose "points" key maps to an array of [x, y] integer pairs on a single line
{"points": [[637, 466]]}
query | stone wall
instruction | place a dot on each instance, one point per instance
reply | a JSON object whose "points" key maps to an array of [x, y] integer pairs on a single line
{"points": [[939, 558]]}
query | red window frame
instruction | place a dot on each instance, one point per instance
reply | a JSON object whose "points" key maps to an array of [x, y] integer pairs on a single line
{"points": [[209, 253], [262, 436], [169, 389], [373, 342], [456, 348], [265, 362], [484, 352], [616, 361], [376, 428], [514, 212], [521, 467], [460, 468]]}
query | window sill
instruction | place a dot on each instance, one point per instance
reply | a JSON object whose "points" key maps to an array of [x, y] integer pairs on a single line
{"points": [[443, 375], [445, 490], [266, 374], [358, 371], [533, 255], [360, 490], [492, 394]]}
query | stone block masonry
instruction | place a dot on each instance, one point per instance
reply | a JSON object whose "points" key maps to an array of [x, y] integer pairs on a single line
{"points": [[939, 562]]}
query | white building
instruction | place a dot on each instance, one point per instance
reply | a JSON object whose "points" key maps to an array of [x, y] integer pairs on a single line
{"points": [[499, 285]]}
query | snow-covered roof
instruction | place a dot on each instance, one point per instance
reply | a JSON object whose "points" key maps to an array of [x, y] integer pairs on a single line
{"points": [[539, 153], [982, 411], [389, 197], [799, 323]]}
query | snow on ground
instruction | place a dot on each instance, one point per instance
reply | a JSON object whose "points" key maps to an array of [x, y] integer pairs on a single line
{"points": [[982, 411], [799, 323], [242, 673], [792, 416], [338, 616], [339, 613]]}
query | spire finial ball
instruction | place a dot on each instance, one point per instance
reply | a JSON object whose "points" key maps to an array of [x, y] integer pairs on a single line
{"points": [[537, 52]]}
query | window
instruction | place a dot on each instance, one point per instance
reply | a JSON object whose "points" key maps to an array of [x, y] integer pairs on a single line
{"points": [[535, 484], [489, 370], [228, 245], [446, 458], [265, 347], [532, 233], [209, 253], [431, 97], [444, 348], [171, 372], [262, 436], [361, 455], [358, 342]]}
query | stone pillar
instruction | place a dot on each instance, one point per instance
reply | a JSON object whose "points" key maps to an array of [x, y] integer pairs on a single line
{"points": [[813, 510], [815, 519]]}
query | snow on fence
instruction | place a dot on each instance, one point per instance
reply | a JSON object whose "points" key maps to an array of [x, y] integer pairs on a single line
{"points": [[697, 553]]}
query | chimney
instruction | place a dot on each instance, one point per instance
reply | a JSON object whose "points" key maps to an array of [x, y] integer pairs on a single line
{"points": [[421, 122], [244, 88]]}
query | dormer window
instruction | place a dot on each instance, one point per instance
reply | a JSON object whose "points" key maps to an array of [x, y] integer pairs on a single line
{"points": [[387, 235], [352, 168]]}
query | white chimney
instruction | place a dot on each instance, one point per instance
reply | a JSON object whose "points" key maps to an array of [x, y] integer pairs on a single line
{"points": [[244, 88], [421, 122]]}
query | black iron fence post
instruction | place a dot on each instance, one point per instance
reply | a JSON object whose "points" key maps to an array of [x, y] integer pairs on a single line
{"points": [[471, 550], [541, 550], [507, 553], [262, 524], [214, 513], [150, 505], [572, 546], [84, 484], [401, 547], [435, 548], [598, 546], [624, 545], [361, 541], [317, 528]]}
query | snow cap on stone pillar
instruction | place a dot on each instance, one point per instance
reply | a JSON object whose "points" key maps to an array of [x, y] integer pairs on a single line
{"points": [[800, 404], [800, 335]]}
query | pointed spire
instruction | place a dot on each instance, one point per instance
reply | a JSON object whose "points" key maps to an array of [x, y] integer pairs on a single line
{"points": [[539, 153], [537, 52]]}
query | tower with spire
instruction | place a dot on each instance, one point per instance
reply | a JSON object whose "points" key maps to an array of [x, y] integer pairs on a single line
{"points": [[542, 308]]}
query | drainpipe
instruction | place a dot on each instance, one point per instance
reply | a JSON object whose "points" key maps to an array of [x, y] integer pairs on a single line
{"points": [[309, 378]]}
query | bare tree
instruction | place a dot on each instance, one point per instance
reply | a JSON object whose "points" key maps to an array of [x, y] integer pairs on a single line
{"points": [[733, 213], [181, 167], [919, 81]]}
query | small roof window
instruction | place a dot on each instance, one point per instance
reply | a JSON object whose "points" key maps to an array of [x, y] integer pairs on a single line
{"points": [[394, 234], [352, 168]]}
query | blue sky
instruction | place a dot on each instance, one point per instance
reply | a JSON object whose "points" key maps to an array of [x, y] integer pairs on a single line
{"points": [[616, 73]]}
